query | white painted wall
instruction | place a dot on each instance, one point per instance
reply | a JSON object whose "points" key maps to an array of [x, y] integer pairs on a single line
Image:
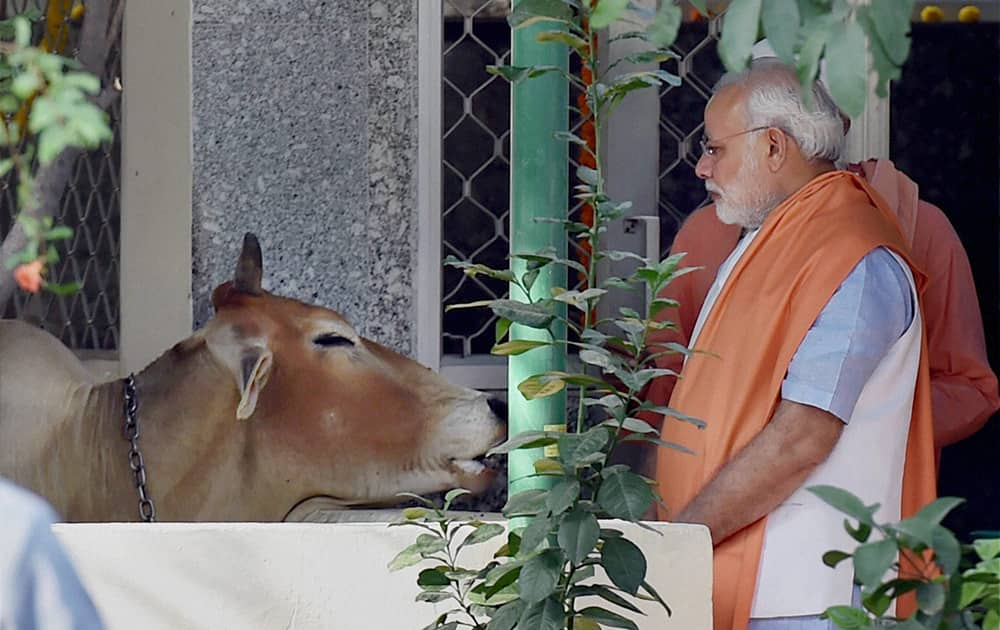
{"points": [[330, 576]]}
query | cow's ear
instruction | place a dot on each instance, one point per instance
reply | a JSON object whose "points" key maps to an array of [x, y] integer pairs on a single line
{"points": [[254, 370], [248, 360]]}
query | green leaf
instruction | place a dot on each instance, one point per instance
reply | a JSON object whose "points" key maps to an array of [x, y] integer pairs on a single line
{"points": [[607, 618], [663, 31], [535, 533], [432, 577], [588, 175], [585, 623], [506, 617], [935, 511], [847, 618], [971, 592], [781, 22], [606, 12], [892, 22], [600, 358], [562, 496], [496, 596], [872, 560], [807, 66], [405, 558], [606, 594], [5, 165], [539, 576], [639, 437], [531, 315], [987, 548], [540, 386], [657, 56], [844, 501], [885, 69], [847, 67], [453, 494], [527, 502], [930, 597], [578, 534], [860, 534], [528, 12], [739, 32], [22, 32], [562, 37], [546, 466], [59, 233], [624, 563], [651, 592], [575, 139], [501, 328], [544, 615], [482, 533], [947, 549], [432, 597], [634, 425], [525, 439], [427, 544], [517, 346], [25, 85], [833, 558], [517, 74], [414, 513], [917, 528], [574, 447]]}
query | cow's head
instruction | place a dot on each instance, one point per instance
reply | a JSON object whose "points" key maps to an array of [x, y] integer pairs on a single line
{"points": [[329, 413]]}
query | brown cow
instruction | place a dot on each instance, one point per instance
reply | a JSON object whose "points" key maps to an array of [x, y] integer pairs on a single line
{"points": [[272, 403]]}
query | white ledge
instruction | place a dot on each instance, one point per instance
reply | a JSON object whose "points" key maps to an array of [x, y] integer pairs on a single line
{"points": [[291, 575]]}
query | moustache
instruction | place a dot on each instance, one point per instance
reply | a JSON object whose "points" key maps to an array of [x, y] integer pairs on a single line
{"points": [[712, 188]]}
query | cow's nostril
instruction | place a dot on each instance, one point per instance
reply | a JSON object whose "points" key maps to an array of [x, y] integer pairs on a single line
{"points": [[498, 407]]}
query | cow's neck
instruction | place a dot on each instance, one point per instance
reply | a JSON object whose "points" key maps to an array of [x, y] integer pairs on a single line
{"points": [[198, 456], [194, 448]]}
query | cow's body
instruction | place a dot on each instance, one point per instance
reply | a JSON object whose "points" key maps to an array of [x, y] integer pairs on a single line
{"points": [[272, 403]]}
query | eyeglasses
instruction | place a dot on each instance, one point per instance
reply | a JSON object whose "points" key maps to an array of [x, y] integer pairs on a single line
{"points": [[711, 150]]}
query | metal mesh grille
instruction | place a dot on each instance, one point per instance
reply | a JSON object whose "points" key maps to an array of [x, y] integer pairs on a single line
{"points": [[681, 124], [88, 319], [476, 153], [475, 167]]}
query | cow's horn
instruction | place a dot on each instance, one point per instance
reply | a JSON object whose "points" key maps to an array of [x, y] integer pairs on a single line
{"points": [[250, 267]]}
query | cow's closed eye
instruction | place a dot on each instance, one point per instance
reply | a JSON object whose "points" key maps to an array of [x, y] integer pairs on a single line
{"points": [[332, 340]]}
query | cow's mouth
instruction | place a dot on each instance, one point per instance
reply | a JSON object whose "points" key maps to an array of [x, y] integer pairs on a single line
{"points": [[478, 465], [476, 474]]}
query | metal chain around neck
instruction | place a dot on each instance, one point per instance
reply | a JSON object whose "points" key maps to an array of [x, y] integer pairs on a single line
{"points": [[146, 510]]}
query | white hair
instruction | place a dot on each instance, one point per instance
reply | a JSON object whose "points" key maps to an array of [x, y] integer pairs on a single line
{"points": [[774, 99]]}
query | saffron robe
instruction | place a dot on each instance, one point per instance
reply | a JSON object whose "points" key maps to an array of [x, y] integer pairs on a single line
{"points": [[776, 290]]}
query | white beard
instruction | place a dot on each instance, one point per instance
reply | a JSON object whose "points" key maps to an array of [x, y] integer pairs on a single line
{"points": [[747, 204]]}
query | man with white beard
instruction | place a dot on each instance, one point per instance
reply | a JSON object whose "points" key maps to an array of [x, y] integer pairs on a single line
{"points": [[814, 370]]}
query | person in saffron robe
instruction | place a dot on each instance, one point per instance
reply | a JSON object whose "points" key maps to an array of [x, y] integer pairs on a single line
{"points": [[814, 369]]}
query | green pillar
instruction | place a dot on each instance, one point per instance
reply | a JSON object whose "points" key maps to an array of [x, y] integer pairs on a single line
{"points": [[539, 188]]}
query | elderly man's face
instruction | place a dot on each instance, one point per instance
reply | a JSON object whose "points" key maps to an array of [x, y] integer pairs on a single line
{"points": [[732, 163]]}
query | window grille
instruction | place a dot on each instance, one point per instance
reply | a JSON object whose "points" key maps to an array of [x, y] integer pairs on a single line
{"points": [[475, 167]]}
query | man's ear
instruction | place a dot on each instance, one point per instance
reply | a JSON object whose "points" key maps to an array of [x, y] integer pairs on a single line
{"points": [[777, 148], [249, 361]]}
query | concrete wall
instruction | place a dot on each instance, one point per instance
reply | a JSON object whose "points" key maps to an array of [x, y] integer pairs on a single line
{"points": [[304, 576], [304, 132]]}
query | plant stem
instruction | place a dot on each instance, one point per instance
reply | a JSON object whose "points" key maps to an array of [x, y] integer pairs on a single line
{"points": [[595, 111]]}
